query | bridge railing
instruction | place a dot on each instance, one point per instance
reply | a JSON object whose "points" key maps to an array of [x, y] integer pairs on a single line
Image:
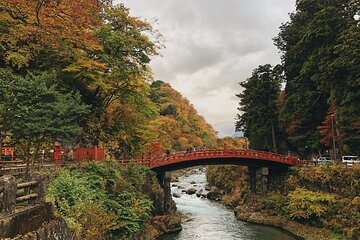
{"points": [[210, 153]]}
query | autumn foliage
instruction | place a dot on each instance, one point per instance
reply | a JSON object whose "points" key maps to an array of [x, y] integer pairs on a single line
{"points": [[98, 52], [178, 125], [327, 128]]}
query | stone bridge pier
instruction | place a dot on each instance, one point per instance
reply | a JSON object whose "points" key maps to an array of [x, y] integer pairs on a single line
{"points": [[262, 179], [169, 206]]}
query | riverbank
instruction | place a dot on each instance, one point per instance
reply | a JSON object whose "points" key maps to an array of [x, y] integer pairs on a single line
{"points": [[312, 203], [102, 200], [159, 226], [253, 213]]}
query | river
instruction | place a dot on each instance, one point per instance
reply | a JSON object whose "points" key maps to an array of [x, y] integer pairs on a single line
{"points": [[207, 220]]}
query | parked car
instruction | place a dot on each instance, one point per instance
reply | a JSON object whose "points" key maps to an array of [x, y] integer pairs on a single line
{"points": [[324, 161], [350, 159]]}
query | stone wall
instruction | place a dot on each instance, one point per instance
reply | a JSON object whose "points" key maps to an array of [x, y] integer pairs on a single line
{"points": [[34, 222], [55, 229]]}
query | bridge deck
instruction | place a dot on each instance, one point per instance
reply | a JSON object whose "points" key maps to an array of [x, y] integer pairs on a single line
{"points": [[182, 157]]}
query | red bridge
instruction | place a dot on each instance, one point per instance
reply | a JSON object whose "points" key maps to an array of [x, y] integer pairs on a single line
{"points": [[249, 158]]}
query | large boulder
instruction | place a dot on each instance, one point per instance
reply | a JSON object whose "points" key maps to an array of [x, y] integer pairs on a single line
{"points": [[191, 191], [214, 194], [176, 195], [160, 225]]}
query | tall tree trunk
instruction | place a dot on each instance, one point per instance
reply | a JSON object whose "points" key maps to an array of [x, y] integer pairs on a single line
{"points": [[27, 158], [340, 141], [273, 138], [36, 153]]}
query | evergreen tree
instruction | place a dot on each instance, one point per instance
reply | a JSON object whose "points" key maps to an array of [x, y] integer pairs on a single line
{"points": [[36, 112], [258, 116], [319, 69]]}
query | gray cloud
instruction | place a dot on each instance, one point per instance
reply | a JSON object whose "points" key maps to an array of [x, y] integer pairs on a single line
{"points": [[212, 45]]}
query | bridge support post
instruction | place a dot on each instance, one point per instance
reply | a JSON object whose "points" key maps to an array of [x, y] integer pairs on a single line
{"points": [[252, 179], [167, 193], [168, 203], [263, 174], [258, 179]]}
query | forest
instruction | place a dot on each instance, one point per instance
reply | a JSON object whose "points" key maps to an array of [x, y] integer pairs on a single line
{"points": [[310, 103], [78, 72]]}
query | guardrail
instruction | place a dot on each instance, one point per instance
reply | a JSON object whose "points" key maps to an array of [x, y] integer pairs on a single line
{"points": [[27, 193], [18, 168], [156, 161], [13, 194]]}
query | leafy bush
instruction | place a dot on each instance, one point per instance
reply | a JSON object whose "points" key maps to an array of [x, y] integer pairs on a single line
{"points": [[335, 179], [91, 221], [347, 217], [226, 178], [304, 204], [276, 202], [107, 194]]}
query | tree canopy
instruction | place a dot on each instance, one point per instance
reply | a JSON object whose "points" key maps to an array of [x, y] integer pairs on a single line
{"points": [[258, 117], [89, 58], [320, 60]]}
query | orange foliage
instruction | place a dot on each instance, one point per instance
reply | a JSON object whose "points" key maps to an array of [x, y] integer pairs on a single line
{"points": [[234, 143], [46, 21], [179, 126], [326, 129]]}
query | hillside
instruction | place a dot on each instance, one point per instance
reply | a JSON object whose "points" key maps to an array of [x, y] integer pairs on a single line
{"points": [[178, 125]]}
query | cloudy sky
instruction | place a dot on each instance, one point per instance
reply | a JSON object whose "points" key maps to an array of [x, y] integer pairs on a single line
{"points": [[211, 46]]}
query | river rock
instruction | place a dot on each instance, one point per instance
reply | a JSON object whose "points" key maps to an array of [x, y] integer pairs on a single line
{"points": [[174, 185], [192, 182], [214, 194], [176, 195], [160, 225], [180, 187], [191, 191], [193, 171], [207, 188], [174, 178], [198, 195], [242, 212]]}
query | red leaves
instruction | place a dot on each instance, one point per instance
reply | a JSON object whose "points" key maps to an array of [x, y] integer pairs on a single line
{"points": [[327, 128]]}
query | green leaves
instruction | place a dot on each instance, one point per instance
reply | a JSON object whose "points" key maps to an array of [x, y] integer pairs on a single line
{"points": [[108, 189], [304, 204], [36, 110], [258, 107], [321, 71]]}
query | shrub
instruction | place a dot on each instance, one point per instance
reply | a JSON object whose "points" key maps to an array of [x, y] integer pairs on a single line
{"points": [[303, 204], [92, 221], [276, 202], [226, 178], [103, 193]]}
